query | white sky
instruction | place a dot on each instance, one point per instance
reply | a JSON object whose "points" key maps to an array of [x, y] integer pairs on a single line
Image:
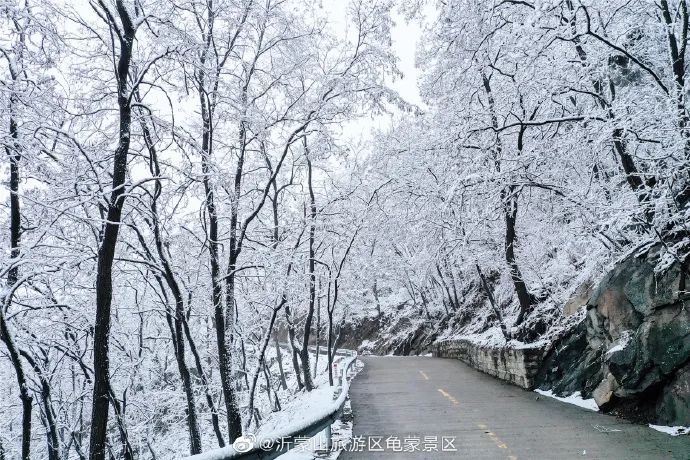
{"points": [[404, 37]]}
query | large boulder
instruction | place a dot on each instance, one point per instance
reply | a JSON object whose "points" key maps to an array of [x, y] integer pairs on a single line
{"points": [[674, 405], [632, 344], [570, 365]]}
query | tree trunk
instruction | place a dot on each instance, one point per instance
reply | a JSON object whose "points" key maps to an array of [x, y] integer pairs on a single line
{"points": [[262, 356], [205, 383], [12, 150], [308, 383], [15, 212], [179, 318], [677, 48], [445, 286], [510, 212], [271, 391], [293, 350], [127, 452], [106, 253], [279, 358], [451, 276], [330, 345], [375, 292], [318, 332], [50, 422], [27, 400], [233, 418], [509, 200], [233, 251], [494, 307]]}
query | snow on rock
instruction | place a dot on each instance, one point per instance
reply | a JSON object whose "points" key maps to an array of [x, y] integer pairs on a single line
{"points": [[575, 399], [621, 343], [672, 430]]}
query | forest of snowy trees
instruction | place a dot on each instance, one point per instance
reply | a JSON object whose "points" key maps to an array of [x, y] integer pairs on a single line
{"points": [[188, 182]]}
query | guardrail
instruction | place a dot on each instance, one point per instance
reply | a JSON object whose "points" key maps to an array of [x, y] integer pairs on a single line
{"points": [[279, 443]]}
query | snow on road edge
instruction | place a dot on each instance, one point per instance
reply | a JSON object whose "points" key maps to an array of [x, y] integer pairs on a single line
{"points": [[672, 430], [575, 399]]}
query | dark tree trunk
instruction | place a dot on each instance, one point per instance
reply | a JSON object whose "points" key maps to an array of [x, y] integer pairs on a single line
{"points": [[293, 350], [318, 332], [235, 245], [46, 400], [27, 400], [192, 422], [330, 345], [330, 308], [233, 418], [127, 451], [208, 100], [272, 394], [279, 358], [308, 383], [177, 330], [375, 292], [509, 200], [677, 47], [510, 212], [262, 356], [445, 286], [492, 302], [106, 253], [451, 276], [205, 383], [12, 150]]}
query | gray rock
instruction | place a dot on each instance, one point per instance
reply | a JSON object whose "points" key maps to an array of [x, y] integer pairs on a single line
{"points": [[674, 406], [603, 393], [633, 345], [579, 298]]}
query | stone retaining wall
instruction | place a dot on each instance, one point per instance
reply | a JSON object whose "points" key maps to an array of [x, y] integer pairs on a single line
{"points": [[518, 366]]}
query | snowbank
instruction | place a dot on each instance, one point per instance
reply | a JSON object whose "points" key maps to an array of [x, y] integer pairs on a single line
{"points": [[574, 399], [672, 430], [305, 416]]}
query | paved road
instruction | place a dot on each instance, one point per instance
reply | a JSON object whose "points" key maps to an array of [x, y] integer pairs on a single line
{"points": [[418, 397]]}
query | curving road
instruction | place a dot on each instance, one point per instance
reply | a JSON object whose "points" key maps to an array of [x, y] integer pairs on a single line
{"points": [[413, 403]]}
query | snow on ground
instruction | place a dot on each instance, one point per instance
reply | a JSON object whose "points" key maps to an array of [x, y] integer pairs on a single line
{"points": [[493, 337], [301, 410], [574, 399], [366, 346], [297, 411], [672, 430]]}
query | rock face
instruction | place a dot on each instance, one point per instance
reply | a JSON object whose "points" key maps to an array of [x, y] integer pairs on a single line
{"points": [[631, 352]]}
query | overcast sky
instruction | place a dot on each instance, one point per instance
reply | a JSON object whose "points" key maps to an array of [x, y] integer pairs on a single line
{"points": [[405, 36]]}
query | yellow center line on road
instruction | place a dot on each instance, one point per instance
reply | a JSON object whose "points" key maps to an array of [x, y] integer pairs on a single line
{"points": [[426, 377], [500, 444], [448, 396]]}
